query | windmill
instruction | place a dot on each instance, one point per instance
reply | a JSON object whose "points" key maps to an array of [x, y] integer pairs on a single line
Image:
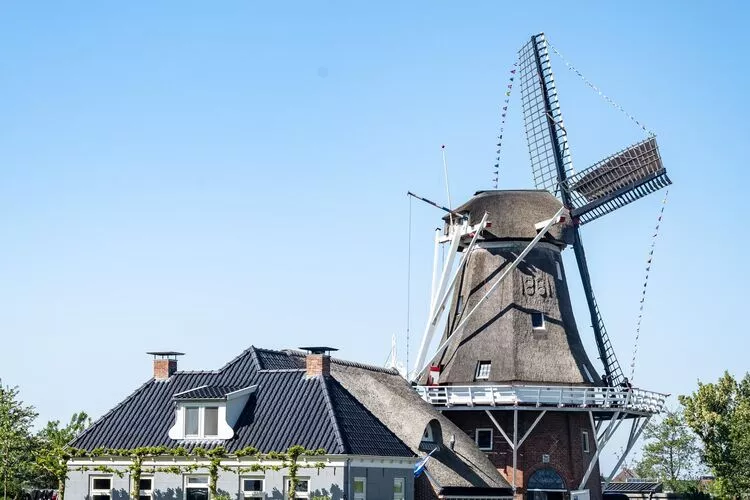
{"points": [[510, 367]]}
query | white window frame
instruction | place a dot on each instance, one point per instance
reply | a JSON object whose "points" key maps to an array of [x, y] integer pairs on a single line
{"points": [[187, 485], [299, 494], [585, 443], [476, 437], [402, 482], [363, 495], [201, 422], [149, 493], [479, 375], [544, 321], [253, 494], [95, 492]]}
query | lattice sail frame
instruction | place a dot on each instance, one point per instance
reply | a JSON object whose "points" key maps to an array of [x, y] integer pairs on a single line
{"points": [[617, 180], [537, 113]]}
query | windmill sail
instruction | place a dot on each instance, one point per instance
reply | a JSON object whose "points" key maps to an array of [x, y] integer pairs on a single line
{"points": [[545, 132], [617, 180]]}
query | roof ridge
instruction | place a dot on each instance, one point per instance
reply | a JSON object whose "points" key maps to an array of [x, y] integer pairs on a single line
{"points": [[254, 357], [99, 420], [345, 362], [332, 413], [282, 370], [236, 358]]}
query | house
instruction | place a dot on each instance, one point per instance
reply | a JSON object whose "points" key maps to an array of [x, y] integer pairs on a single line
{"points": [[371, 423]]}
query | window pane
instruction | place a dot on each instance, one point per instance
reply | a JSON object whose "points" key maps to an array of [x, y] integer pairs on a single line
{"points": [[398, 485], [302, 486], [198, 480], [101, 483], [191, 421], [359, 485], [537, 320], [211, 421], [196, 494], [145, 484], [144, 497], [484, 439], [252, 485], [101, 497]]}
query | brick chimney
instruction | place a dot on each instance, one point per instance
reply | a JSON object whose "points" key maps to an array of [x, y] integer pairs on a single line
{"points": [[318, 360], [165, 364]]}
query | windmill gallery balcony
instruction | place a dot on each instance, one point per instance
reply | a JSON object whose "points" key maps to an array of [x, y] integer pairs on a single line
{"points": [[609, 399]]}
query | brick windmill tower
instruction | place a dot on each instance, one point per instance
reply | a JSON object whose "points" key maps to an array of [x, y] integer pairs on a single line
{"points": [[511, 369]]}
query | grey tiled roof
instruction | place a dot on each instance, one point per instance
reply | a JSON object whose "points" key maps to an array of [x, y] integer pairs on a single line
{"points": [[286, 409], [359, 409], [207, 392]]}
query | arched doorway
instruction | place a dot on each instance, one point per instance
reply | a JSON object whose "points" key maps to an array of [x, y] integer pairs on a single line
{"points": [[545, 484]]}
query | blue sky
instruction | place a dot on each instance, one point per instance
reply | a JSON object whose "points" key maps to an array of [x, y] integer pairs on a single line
{"points": [[205, 176]]}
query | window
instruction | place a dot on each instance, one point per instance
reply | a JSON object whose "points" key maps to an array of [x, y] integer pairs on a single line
{"points": [[211, 421], [585, 441], [483, 370], [201, 422], [360, 488], [101, 488], [192, 417], [252, 487], [146, 488], [303, 487], [559, 270], [196, 488], [537, 321], [483, 438], [398, 488]]}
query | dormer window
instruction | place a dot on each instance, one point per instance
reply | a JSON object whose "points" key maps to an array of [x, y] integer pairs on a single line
{"points": [[208, 412]]}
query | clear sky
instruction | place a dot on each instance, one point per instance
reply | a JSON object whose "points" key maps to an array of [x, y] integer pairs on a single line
{"points": [[202, 176]]}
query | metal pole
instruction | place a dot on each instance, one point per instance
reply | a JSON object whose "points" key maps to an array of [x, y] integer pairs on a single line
{"points": [[631, 443], [435, 260], [515, 448]]}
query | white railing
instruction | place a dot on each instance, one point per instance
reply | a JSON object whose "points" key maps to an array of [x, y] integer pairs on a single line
{"points": [[544, 395]]}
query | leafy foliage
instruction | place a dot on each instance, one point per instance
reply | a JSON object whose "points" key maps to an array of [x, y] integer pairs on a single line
{"points": [[52, 452], [671, 453], [211, 460], [719, 413], [16, 441]]}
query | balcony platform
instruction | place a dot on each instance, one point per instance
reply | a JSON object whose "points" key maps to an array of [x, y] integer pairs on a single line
{"points": [[601, 400]]}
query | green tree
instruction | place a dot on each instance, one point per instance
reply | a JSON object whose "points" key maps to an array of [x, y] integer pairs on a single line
{"points": [[52, 452], [719, 414], [670, 453], [16, 441]]}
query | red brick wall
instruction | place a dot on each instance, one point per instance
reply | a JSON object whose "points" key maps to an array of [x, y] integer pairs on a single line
{"points": [[558, 434], [317, 364], [164, 368]]}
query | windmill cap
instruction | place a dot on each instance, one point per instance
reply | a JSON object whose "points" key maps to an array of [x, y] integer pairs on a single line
{"points": [[515, 214]]}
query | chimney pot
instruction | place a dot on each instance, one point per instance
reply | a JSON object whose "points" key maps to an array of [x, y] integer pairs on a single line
{"points": [[165, 364]]}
